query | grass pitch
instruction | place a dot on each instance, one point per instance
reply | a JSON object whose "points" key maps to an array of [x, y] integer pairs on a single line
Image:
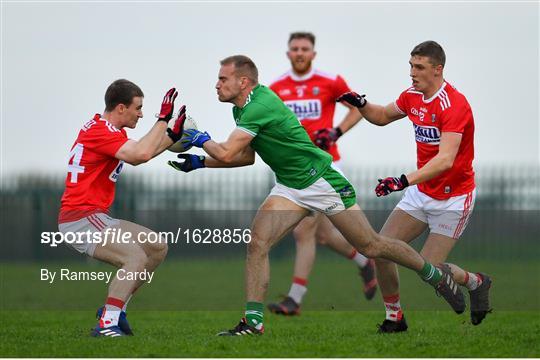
{"points": [[179, 314], [313, 334]]}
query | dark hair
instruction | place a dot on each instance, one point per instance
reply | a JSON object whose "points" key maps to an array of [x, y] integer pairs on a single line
{"points": [[243, 66], [121, 91], [432, 50], [302, 35]]}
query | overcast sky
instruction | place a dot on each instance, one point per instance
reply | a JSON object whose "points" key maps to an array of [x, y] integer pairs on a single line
{"points": [[58, 59]]}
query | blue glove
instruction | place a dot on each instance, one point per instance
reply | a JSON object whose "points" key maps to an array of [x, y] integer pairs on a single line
{"points": [[195, 137], [191, 162]]}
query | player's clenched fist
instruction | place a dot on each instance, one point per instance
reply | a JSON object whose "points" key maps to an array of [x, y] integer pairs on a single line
{"points": [[353, 98], [167, 106], [391, 184], [325, 138]]}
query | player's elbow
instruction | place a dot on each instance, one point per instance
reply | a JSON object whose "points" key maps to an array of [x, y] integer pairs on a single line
{"points": [[446, 162], [139, 158], [250, 160], [228, 158]]}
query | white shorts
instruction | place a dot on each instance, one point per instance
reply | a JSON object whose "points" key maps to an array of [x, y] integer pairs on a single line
{"points": [[94, 223], [330, 194], [446, 217]]}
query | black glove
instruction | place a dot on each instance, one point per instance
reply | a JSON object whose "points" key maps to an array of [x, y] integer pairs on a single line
{"points": [[353, 98], [191, 162]]}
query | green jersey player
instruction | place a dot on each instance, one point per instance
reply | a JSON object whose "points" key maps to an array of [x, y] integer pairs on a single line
{"points": [[306, 181]]}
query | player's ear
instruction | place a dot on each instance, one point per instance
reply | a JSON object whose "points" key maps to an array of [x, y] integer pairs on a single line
{"points": [[314, 54], [244, 82], [120, 108]]}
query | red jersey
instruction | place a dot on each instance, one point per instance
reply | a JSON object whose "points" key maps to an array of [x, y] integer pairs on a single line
{"points": [[92, 170], [446, 111], [312, 98]]}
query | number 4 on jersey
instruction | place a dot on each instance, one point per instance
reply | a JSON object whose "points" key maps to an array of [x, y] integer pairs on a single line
{"points": [[74, 166]]}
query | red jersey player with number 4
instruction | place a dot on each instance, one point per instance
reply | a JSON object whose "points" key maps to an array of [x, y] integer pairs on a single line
{"points": [[311, 94], [95, 162], [440, 194]]}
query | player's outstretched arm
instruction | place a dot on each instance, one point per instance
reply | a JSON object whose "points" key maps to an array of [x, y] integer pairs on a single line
{"points": [[441, 162], [157, 139], [190, 162], [375, 114], [244, 158], [444, 160], [228, 153]]}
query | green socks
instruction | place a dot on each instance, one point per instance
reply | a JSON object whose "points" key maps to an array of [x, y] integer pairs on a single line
{"points": [[430, 274], [254, 314]]}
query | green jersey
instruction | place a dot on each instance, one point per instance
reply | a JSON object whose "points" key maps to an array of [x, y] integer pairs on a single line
{"points": [[280, 140]]}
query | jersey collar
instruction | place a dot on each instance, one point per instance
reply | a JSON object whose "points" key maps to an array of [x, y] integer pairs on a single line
{"points": [[303, 77], [435, 95], [250, 95]]}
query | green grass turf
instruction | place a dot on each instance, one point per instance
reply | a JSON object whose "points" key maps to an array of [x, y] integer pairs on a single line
{"points": [[313, 334], [178, 314]]}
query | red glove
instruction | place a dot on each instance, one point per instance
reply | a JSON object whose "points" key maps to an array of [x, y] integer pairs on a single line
{"points": [[325, 138], [391, 184], [176, 131], [167, 106]]}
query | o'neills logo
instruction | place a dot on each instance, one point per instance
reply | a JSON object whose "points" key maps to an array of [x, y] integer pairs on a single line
{"points": [[427, 134], [309, 109]]}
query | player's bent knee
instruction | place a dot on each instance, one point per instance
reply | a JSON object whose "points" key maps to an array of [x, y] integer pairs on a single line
{"points": [[160, 249], [301, 235], [135, 260], [258, 246], [371, 249], [323, 239]]}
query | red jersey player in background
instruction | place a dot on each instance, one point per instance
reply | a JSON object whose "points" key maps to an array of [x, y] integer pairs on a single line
{"points": [[96, 160], [440, 195], [311, 94]]}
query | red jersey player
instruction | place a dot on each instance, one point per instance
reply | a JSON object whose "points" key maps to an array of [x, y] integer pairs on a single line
{"points": [[440, 195], [311, 94], [96, 160]]}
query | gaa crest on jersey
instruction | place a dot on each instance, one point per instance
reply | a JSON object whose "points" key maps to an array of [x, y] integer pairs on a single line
{"points": [[427, 134], [316, 90], [309, 109], [116, 172]]}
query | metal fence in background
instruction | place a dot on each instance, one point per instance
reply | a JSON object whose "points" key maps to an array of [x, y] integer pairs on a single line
{"points": [[505, 221]]}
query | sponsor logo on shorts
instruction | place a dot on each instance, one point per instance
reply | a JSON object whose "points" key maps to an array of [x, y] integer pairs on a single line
{"points": [[331, 207], [445, 226], [427, 134], [346, 191], [312, 172], [309, 109]]}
